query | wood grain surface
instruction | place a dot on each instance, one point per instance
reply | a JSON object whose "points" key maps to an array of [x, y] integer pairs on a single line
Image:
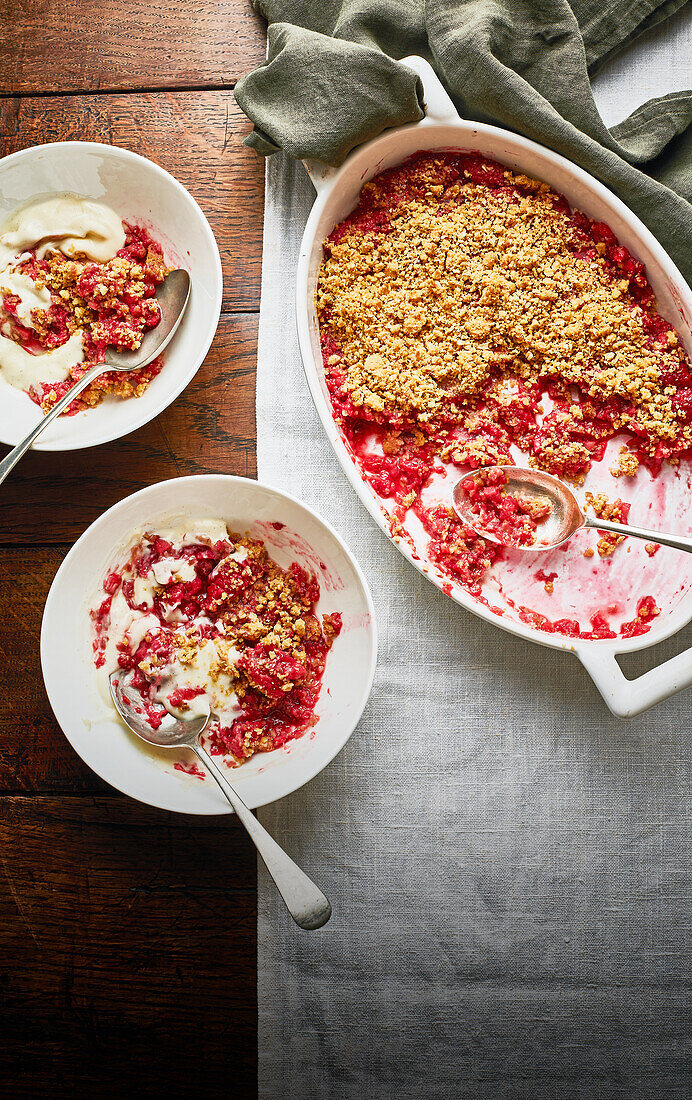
{"points": [[127, 935], [95, 45], [52, 497], [127, 938], [197, 136]]}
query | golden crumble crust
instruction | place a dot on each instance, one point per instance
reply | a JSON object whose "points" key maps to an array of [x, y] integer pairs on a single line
{"points": [[468, 280], [605, 509]]}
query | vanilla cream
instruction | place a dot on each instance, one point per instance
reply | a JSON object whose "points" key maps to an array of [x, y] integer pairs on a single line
{"points": [[30, 295], [68, 223], [72, 225], [22, 369], [183, 533], [129, 627], [204, 668], [178, 570], [166, 571], [219, 695]]}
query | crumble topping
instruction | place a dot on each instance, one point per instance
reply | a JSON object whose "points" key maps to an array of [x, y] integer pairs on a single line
{"points": [[617, 511], [626, 465], [469, 280], [55, 291]]}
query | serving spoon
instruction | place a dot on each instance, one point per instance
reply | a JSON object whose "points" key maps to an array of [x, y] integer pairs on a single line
{"points": [[564, 519], [305, 902], [172, 296]]}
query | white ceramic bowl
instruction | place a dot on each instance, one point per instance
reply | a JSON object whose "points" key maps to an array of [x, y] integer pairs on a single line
{"points": [[89, 720], [139, 191], [337, 194]]}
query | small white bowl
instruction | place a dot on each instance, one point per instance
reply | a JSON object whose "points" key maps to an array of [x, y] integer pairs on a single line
{"points": [[139, 191], [88, 718]]}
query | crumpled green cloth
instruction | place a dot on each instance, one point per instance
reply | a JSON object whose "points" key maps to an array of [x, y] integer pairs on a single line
{"points": [[331, 81]]}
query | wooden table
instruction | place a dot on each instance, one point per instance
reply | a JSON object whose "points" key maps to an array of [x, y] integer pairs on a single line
{"points": [[127, 935]]}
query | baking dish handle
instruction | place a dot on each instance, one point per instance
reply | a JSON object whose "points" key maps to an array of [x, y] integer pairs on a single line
{"points": [[438, 106], [629, 697], [320, 173]]}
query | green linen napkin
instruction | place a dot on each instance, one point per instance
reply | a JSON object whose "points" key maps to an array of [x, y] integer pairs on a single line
{"points": [[331, 80]]}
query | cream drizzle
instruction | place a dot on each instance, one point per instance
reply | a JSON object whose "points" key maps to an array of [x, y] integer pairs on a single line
{"points": [[22, 369], [67, 223]]}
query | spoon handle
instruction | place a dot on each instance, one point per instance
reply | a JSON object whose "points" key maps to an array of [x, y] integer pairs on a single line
{"points": [[677, 541], [305, 902], [10, 461]]}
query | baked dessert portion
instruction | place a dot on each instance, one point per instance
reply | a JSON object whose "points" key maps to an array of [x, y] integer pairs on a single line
{"points": [[512, 518], [75, 280], [470, 317], [206, 620]]}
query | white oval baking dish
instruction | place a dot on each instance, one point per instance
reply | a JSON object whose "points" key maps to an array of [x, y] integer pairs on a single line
{"points": [[337, 194]]}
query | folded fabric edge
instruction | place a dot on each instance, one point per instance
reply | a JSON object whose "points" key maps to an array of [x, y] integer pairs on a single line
{"points": [[261, 143], [373, 92], [675, 107], [618, 26]]}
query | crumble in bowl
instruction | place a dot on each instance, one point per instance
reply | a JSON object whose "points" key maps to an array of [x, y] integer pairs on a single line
{"points": [[74, 280], [205, 619]]}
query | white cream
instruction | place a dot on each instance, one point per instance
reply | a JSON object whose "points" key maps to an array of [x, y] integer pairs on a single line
{"points": [[171, 614], [30, 295], [68, 223], [178, 570], [218, 690], [164, 572], [74, 226], [139, 628], [144, 591], [126, 626], [130, 627], [23, 370], [201, 530]]}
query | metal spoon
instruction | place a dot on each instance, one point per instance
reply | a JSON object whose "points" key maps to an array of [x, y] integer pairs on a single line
{"points": [[172, 296], [566, 516], [305, 902]]}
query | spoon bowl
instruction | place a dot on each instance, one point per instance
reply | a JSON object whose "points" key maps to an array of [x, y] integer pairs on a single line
{"points": [[173, 732], [172, 296], [565, 516], [564, 519]]}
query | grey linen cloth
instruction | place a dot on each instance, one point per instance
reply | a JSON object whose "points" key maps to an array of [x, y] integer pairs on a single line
{"points": [[331, 81], [508, 863]]}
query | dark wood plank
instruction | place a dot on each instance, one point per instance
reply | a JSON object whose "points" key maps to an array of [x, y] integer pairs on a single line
{"points": [[34, 754], [195, 136], [110, 44], [128, 936], [127, 951], [52, 498]]}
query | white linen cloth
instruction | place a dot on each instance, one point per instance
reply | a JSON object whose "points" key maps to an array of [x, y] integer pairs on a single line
{"points": [[507, 862]]}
